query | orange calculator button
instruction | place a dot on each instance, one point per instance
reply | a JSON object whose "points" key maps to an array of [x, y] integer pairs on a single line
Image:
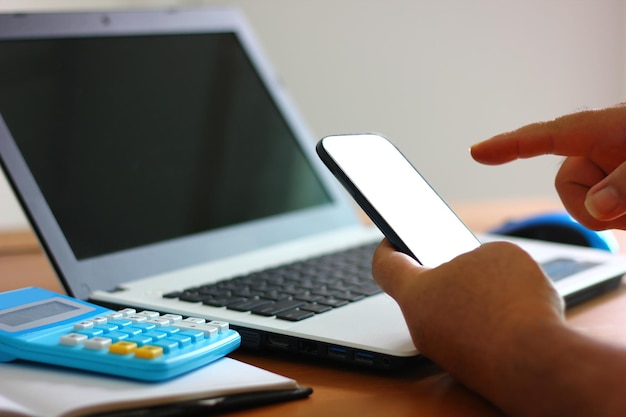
{"points": [[122, 348], [149, 352]]}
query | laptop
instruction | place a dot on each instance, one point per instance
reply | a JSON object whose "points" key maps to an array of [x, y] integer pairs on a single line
{"points": [[163, 167]]}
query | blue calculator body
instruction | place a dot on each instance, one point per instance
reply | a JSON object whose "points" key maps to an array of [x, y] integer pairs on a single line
{"points": [[42, 326]]}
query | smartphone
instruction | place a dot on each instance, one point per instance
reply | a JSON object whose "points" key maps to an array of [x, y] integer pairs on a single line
{"points": [[400, 202]]}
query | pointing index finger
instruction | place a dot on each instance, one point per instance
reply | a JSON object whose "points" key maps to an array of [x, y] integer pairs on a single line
{"points": [[571, 135]]}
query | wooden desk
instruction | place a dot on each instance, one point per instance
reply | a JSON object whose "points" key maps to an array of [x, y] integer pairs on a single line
{"points": [[421, 391]]}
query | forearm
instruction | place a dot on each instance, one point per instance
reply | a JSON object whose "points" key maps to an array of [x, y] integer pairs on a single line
{"points": [[551, 371]]}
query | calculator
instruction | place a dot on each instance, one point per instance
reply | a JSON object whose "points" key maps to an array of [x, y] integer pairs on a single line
{"points": [[43, 326]]}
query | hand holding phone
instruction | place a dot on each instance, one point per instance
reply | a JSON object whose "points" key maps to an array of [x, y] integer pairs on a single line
{"points": [[396, 197]]}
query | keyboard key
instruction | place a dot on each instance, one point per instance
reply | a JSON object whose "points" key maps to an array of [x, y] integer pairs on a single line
{"points": [[309, 298], [316, 308], [248, 305], [295, 315], [277, 307], [332, 302], [349, 296], [322, 283]]}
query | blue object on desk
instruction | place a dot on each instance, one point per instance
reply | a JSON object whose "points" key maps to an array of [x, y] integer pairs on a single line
{"points": [[558, 227], [42, 326]]}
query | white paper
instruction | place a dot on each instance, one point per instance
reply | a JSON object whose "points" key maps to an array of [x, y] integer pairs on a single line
{"points": [[54, 392]]}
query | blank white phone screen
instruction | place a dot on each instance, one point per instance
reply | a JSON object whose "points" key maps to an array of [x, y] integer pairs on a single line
{"points": [[422, 220]]}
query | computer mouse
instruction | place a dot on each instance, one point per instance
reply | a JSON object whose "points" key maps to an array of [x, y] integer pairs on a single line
{"points": [[558, 227]]}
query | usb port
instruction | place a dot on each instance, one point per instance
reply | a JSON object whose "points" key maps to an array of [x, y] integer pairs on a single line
{"points": [[278, 342], [364, 358], [338, 352]]}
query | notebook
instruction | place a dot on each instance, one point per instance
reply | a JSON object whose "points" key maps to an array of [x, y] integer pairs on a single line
{"points": [[157, 155]]}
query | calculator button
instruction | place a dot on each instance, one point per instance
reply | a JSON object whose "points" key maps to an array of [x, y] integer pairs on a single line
{"points": [[160, 322], [91, 332], [99, 320], [156, 335], [172, 317], [73, 339], [204, 328], [85, 324], [130, 330], [149, 352], [121, 322], [117, 336], [196, 335], [128, 312], [114, 316], [194, 320], [107, 327], [139, 340], [148, 313], [145, 326], [222, 326], [137, 318], [123, 347], [97, 343], [181, 339], [168, 345], [169, 329]]}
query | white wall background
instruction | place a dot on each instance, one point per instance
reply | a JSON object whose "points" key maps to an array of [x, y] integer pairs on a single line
{"points": [[435, 76]]}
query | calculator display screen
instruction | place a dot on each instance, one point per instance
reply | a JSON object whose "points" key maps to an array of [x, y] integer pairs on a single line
{"points": [[36, 312], [40, 313]]}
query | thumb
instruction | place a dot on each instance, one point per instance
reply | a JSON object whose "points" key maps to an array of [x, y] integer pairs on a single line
{"points": [[607, 199], [394, 271]]}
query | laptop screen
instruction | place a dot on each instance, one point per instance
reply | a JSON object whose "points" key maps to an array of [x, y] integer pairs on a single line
{"points": [[141, 139], [141, 142]]}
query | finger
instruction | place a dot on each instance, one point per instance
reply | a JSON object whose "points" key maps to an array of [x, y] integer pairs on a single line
{"points": [[573, 181], [572, 135], [394, 271], [577, 181], [606, 200]]}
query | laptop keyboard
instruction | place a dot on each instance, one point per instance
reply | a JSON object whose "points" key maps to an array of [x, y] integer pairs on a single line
{"points": [[303, 289], [295, 291]]}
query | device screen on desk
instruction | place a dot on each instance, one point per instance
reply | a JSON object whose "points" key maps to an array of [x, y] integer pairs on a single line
{"points": [[39, 313], [404, 206], [141, 139]]}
